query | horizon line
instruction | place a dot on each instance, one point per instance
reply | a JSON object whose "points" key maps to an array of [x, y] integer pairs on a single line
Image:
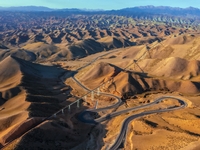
{"points": [[100, 9]]}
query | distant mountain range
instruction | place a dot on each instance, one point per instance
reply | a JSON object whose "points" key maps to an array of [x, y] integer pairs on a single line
{"points": [[144, 9], [162, 10], [26, 8], [160, 13], [42, 8]]}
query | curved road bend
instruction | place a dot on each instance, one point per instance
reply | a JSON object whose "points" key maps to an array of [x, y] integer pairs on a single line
{"points": [[125, 123], [127, 120], [123, 130], [101, 119], [79, 84], [114, 114], [96, 59], [102, 93], [64, 107]]}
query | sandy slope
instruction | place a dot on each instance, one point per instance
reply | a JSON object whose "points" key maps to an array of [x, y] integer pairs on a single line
{"points": [[163, 59], [127, 82], [9, 77], [26, 90], [79, 36], [171, 67]]}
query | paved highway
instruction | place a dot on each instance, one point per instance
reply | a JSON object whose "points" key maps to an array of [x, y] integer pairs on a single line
{"points": [[96, 110], [125, 123], [62, 79], [119, 101], [97, 59], [114, 114]]}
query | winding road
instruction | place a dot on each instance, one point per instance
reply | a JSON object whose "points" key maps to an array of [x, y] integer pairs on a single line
{"points": [[125, 123], [123, 130], [119, 101]]}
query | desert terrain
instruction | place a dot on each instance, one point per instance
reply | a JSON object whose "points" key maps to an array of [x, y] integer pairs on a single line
{"points": [[98, 81]]}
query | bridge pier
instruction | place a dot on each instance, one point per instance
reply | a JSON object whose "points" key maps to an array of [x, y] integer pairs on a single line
{"points": [[69, 108], [98, 91], [78, 103], [54, 115], [96, 105], [63, 111], [92, 95], [85, 97]]}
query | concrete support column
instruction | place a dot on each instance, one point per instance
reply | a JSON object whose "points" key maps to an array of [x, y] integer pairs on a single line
{"points": [[69, 108], [78, 103], [92, 95], [63, 111], [98, 91], [96, 105]]}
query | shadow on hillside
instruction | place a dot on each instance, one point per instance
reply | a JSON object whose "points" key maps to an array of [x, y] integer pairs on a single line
{"points": [[135, 62], [61, 132]]}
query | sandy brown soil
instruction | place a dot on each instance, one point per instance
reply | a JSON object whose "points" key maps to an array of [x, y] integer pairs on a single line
{"points": [[146, 61], [29, 93], [170, 130], [162, 70], [56, 38]]}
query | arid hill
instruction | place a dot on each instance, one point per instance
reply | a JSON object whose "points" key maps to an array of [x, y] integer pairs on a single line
{"points": [[121, 82], [28, 93], [138, 57], [138, 74], [52, 38]]}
